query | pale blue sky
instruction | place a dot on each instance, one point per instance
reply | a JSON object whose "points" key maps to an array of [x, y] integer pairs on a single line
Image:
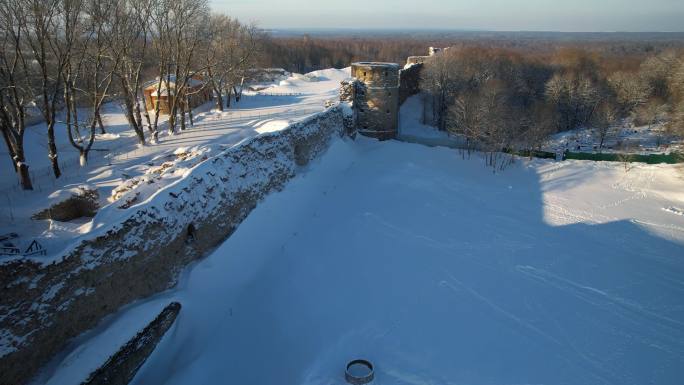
{"points": [[547, 15]]}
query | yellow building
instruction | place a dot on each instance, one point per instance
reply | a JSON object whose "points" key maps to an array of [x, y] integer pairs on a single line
{"points": [[195, 90]]}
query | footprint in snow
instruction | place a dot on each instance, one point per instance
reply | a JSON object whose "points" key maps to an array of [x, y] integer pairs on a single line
{"points": [[674, 210]]}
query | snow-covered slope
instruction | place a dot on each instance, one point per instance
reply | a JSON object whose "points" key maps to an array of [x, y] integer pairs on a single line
{"points": [[436, 270], [117, 162], [411, 116]]}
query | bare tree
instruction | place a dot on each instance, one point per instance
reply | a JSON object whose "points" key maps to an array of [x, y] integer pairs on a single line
{"points": [[180, 31], [676, 124], [575, 96], [603, 121], [241, 56], [537, 126], [676, 79], [15, 93], [41, 31], [651, 113], [626, 158], [469, 116], [439, 79], [493, 99], [657, 70], [220, 40], [484, 118], [130, 39], [160, 35], [630, 89], [96, 64]]}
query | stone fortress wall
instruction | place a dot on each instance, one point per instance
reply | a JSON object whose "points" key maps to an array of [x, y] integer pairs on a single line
{"points": [[409, 79], [46, 305], [43, 306]]}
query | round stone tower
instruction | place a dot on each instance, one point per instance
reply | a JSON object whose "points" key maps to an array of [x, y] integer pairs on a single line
{"points": [[376, 99]]}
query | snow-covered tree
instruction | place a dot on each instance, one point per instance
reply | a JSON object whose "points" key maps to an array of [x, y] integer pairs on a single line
{"points": [[43, 20]]}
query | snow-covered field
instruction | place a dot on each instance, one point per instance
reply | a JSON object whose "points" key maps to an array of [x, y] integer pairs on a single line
{"points": [[635, 140], [125, 174], [436, 270]]}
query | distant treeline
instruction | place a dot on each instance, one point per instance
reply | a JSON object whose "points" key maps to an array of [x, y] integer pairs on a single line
{"points": [[305, 53]]}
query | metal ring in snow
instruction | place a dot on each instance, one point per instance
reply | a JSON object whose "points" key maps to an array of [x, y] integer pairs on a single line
{"points": [[356, 379]]}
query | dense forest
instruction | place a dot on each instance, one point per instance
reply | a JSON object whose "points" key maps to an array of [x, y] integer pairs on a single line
{"points": [[505, 99], [310, 52]]}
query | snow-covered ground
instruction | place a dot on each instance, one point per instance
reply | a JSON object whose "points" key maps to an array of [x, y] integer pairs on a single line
{"points": [[412, 128], [436, 270], [411, 118], [126, 174], [636, 140]]}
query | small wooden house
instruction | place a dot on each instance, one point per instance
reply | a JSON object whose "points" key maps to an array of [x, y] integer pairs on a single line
{"points": [[159, 91]]}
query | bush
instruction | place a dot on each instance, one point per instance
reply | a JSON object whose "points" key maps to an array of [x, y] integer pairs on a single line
{"points": [[83, 203], [531, 153]]}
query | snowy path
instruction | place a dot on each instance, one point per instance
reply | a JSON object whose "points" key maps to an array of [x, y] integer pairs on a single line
{"points": [[117, 157], [436, 270]]}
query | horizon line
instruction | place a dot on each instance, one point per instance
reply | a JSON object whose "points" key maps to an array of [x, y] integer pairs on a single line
{"points": [[456, 30]]}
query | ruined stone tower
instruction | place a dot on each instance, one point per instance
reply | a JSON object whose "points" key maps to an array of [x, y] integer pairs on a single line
{"points": [[376, 99]]}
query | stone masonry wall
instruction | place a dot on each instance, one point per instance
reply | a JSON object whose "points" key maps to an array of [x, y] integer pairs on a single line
{"points": [[409, 82], [43, 306]]}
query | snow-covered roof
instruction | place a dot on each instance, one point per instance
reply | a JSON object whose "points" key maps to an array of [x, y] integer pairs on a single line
{"points": [[170, 81], [164, 92], [279, 70], [375, 64]]}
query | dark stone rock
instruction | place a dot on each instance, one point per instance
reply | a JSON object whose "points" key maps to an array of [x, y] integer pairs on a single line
{"points": [[122, 366]]}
